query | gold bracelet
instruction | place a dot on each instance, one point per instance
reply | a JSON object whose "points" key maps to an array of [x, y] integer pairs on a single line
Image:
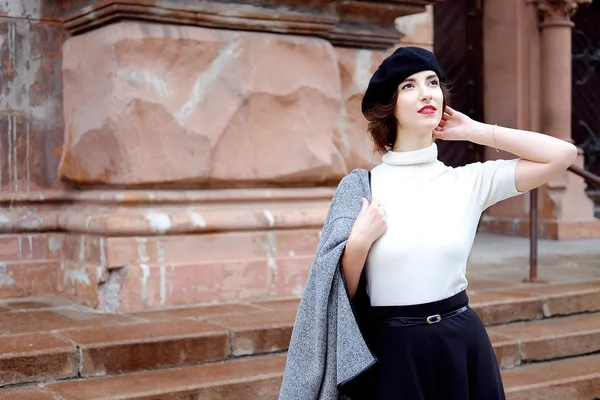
{"points": [[494, 137]]}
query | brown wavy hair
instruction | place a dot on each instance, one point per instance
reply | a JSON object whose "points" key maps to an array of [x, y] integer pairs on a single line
{"points": [[383, 124]]}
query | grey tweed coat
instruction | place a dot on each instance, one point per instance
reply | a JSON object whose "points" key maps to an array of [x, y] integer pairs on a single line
{"points": [[328, 347]]}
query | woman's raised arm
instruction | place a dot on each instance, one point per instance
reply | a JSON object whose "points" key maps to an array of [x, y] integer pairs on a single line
{"points": [[542, 156]]}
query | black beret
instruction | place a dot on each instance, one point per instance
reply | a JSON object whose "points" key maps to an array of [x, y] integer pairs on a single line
{"points": [[404, 62]]}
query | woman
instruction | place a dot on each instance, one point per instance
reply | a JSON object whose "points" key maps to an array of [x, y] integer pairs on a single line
{"points": [[409, 246]]}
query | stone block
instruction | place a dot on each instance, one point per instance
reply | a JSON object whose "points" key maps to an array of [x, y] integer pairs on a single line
{"points": [[417, 28], [188, 105], [217, 247], [80, 282], [145, 286], [117, 349], [508, 354], [569, 379], [36, 357], [561, 346], [249, 378], [289, 276], [58, 318], [351, 136], [27, 278], [30, 100], [26, 247], [31, 9], [84, 248], [573, 304], [258, 332], [26, 393], [553, 338], [503, 307], [568, 298], [194, 312], [165, 285]]}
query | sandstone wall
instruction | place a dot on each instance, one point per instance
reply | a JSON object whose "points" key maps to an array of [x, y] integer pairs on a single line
{"points": [[31, 136], [196, 164], [31, 122]]}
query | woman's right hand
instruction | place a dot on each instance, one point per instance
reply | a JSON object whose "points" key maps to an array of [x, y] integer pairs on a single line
{"points": [[368, 227], [370, 223]]}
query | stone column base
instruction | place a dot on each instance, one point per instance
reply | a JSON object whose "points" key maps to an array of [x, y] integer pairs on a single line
{"points": [[548, 229], [120, 251]]}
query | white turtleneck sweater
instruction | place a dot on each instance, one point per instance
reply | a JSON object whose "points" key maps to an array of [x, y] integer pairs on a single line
{"points": [[432, 212]]}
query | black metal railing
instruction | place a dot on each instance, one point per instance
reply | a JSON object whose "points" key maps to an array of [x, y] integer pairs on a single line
{"points": [[590, 178]]}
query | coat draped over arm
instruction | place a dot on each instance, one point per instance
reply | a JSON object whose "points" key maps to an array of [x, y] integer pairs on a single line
{"points": [[329, 347]]}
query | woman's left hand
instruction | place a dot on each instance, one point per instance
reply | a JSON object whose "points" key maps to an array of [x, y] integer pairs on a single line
{"points": [[455, 126]]}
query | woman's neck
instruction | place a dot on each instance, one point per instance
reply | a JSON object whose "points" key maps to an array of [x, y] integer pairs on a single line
{"points": [[412, 143], [412, 140]]}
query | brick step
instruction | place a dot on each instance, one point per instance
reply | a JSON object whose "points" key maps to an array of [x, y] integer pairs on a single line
{"points": [[259, 377], [554, 338], [47, 339], [534, 301], [26, 393], [570, 379]]}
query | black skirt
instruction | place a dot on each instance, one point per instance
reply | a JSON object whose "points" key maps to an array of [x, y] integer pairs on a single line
{"points": [[449, 359]]}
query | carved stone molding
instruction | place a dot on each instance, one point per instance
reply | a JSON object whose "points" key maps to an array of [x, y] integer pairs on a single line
{"points": [[135, 212], [348, 23], [558, 10]]}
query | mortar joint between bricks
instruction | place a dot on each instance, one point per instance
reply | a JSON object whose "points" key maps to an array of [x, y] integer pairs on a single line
{"points": [[79, 353], [79, 361], [230, 333], [519, 361], [545, 309]]}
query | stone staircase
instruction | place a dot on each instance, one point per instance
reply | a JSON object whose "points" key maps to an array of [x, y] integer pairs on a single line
{"points": [[546, 339]]}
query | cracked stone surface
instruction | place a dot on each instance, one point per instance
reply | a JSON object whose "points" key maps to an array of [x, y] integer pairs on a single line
{"points": [[149, 104]]}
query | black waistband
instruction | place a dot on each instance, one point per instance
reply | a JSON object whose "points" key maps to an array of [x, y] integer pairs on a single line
{"points": [[432, 319], [424, 310]]}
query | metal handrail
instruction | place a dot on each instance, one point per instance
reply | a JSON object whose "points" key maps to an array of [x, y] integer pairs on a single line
{"points": [[586, 175], [533, 220], [533, 236]]}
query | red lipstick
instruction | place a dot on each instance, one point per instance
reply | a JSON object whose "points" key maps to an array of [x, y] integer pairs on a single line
{"points": [[428, 109]]}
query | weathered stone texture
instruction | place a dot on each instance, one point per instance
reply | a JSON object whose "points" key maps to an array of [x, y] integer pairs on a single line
{"points": [[30, 103], [351, 136], [126, 274], [41, 9], [193, 105], [417, 28], [21, 9], [28, 264]]}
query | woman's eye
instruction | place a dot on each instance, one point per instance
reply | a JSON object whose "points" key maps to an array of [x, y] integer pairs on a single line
{"points": [[434, 82], [406, 86]]}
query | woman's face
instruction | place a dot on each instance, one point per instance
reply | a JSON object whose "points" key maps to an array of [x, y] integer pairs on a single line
{"points": [[420, 102]]}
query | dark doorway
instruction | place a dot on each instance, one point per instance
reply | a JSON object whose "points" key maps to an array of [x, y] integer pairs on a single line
{"points": [[458, 46], [585, 115]]}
